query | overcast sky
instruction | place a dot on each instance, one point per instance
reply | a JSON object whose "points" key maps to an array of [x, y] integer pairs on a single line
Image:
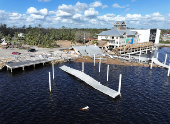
{"points": [[86, 13]]}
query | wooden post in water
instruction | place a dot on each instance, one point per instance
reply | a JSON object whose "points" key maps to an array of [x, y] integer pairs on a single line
{"points": [[94, 59], [49, 82], [82, 66], [157, 55], [53, 69], [22, 68], [165, 59], [120, 78], [151, 65], [11, 70], [107, 72], [99, 64]]}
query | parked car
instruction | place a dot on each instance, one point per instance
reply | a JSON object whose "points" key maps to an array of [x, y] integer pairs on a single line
{"points": [[32, 50], [16, 53]]}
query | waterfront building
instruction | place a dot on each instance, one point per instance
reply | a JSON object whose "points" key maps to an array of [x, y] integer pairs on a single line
{"points": [[119, 35]]}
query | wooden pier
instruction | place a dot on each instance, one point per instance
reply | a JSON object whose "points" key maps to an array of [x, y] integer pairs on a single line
{"points": [[22, 64], [92, 82]]}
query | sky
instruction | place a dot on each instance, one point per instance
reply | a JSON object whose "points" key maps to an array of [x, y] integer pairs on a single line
{"points": [[86, 13]]}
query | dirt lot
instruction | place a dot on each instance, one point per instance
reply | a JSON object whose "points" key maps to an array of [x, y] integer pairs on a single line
{"points": [[112, 61]]}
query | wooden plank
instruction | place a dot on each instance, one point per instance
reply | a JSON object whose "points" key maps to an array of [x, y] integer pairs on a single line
{"points": [[90, 81]]}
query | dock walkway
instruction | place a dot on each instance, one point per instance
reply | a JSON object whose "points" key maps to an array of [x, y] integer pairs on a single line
{"points": [[90, 81], [155, 60], [13, 65]]}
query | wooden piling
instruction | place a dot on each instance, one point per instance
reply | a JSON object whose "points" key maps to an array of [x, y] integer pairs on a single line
{"points": [[82, 66], [151, 65], [165, 59], [53, 69], [157, 55], [107, 72], [99, 64], [49, 82], [120, 79], [94, 59]]}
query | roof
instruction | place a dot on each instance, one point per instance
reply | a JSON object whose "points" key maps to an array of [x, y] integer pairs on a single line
{"points": [[88, 50], [118, 32]]}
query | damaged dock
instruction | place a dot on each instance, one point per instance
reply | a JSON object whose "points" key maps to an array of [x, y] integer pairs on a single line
{"points": [[92, 82]]}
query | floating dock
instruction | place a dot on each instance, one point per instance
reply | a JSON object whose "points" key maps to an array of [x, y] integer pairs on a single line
{"points": [[92, 82]]}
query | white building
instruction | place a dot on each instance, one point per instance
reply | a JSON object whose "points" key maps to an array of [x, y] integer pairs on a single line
{"points": [[146, 35], [120, 36]]}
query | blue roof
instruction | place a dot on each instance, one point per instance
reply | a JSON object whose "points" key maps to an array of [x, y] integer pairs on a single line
{"points": [[117, 32]]}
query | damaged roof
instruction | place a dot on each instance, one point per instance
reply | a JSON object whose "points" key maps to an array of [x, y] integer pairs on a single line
{"points": [[88, 50]]}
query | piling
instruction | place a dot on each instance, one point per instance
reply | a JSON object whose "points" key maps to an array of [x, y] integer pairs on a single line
{"points": [[82, 66], [107, 72], [53, 69], [165, 59], [168, 70], [94, 59], [120, 78], [139, 58], [157, 55], [151, 65], [99, 64], [49, 82]]}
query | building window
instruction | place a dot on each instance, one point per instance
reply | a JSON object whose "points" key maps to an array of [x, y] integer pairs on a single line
{"points": [[106, 37], [112, 37], [116, 37]]}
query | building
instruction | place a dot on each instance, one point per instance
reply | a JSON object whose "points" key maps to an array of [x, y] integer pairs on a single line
{"points": [[148, 35], [120, 36]]}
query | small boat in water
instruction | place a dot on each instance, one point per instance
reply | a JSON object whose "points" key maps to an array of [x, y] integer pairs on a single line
{"points": [[85, 108]]}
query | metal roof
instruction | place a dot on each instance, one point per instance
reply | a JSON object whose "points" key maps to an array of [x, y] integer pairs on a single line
{"points": [[117, 32], [88, 50]]}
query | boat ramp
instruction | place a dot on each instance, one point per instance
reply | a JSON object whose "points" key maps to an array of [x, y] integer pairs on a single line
{"points": [[92, 82]]}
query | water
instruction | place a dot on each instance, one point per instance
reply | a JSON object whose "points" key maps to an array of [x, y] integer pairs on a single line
{"points": [[25, 96]]}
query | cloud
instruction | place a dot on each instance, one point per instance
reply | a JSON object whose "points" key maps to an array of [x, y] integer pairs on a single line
{"points": [[91, 13], [97, 4], [81, 15], [69, 10], [133, 17], [118, 6], [44, 0]]}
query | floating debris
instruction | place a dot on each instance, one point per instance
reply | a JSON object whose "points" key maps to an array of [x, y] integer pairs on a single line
{"points": [[85, 108]]}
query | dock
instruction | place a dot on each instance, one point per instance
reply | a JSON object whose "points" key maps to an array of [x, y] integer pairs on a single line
{"points": [[13, 65], [92, 82], [155, 60]]}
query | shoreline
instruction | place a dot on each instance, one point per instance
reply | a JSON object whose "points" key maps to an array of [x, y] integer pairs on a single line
{"points": [[113, 61]]}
